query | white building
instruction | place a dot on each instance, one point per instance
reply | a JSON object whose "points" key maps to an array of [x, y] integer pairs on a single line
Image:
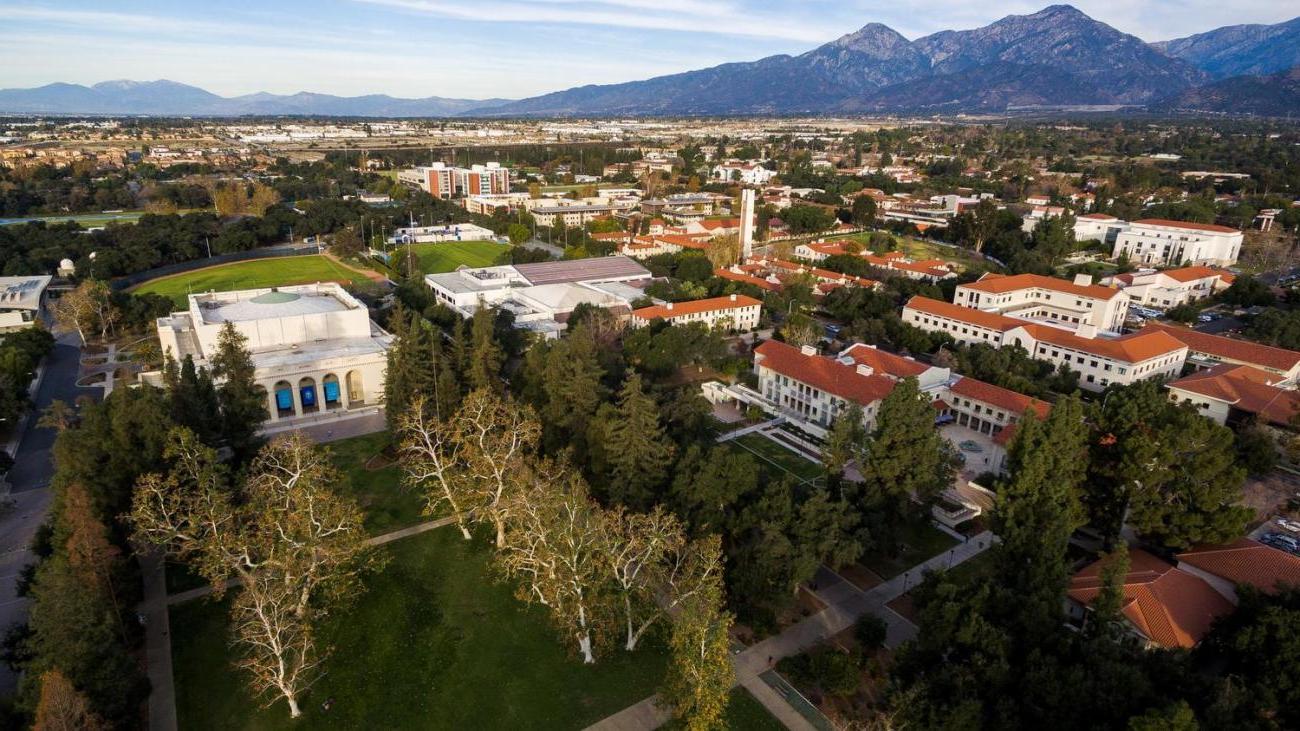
{"points": [[313, 346], [1099, 361], [21, 300], [443, 181], [1035, 297], [734, 312], [542, 295], [439, 234], [749, 173], [1173, 287], [1098, 227], [1157, 241], [576, 215]]}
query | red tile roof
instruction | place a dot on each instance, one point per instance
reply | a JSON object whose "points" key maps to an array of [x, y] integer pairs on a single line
{"points": [[823, 372], [1098, 217], [1003, 398], [1171, 607], [1187, 225], [1000, 284], [1246, 562], [713, 304], [1232, 349], [759, 282], [1191, 274], [980, 318], [1248, 389], [883, 362]]}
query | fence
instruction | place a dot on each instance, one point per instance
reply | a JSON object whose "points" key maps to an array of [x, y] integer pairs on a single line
{"points": [[130, 280]]}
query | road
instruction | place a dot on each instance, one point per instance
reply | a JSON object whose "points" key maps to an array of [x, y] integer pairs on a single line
{"points": [[30, 478]]}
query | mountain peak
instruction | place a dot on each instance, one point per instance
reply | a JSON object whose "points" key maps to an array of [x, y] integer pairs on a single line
{"points": [[873, 38]]}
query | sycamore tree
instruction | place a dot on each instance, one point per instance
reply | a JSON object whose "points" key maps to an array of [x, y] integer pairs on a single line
{"points": [[700, 673], [285, 537], [557, 552], [496, 437], [87, 308], [655, 568], [431, 462], [62, 708]]}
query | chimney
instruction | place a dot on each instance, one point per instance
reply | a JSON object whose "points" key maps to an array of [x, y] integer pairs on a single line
{"points": [[1087, 330], [865, 370], [808, 350], [1083, 280], [733, 298], [668, 306]]}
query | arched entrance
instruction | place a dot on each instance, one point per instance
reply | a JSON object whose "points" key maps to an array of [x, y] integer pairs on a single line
{"points": [[356, 389], [308, 395], [330, 392], [284, 399]]}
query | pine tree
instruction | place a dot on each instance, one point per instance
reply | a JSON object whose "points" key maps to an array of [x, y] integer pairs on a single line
{"points": [[637, 451], [572, 386], [193, 399], [410, 371], [243, 402], [906, 456], [486, 356]]}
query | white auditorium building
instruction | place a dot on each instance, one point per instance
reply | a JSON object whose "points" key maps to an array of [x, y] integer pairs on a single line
{"points": [[314, 347], [1155, 241]]}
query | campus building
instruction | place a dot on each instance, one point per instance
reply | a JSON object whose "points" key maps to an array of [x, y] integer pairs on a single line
{"points": [[734, 312], [21, 300], [542, 295], [1172, 287], [1156, 241], [1205, 350], [1099, 361], [895, 262], [313, 346], [443, 181], [1034, 297]]}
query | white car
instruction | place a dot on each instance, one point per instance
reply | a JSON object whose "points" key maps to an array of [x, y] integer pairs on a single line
{"points": [[1290, 525]]}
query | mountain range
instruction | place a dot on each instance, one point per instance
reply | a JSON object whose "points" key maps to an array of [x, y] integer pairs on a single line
{"points": [[1056, 57]]}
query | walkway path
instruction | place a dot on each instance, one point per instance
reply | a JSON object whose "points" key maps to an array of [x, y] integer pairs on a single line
{"points": [[845, 605], [158, 651]]}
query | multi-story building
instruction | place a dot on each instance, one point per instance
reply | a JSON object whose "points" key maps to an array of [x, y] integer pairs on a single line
{"points": [[1229, 393], [574, 215], [1173, 287], [925, 270], [1206, 351], [1098, 227], [443, 181], [21, 300], [313, 346], [1173, 243], [734, 312], [489, 179], [1034, 297], [1099, 361], [749, 173]]}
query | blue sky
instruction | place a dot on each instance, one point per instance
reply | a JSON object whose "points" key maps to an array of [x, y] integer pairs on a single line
{"points": [[488, 48]]}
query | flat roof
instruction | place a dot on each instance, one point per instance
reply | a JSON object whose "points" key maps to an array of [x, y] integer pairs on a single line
{"points": [[222, 307], [604, 268], [22, 293]]}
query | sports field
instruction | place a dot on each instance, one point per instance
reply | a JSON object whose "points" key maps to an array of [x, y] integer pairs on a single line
{"points": [[278, 271], [446, 256]]}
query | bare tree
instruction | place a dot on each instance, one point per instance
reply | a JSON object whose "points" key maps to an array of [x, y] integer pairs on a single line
{"points": [[62, 708], [496, 437], [85, 308], [293, 546], [557, 549], [431, 462]]}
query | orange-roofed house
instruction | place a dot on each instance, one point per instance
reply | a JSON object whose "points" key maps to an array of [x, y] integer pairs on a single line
{"points": [[735, 312], [1163, 605], [1071, 304], [1230, 393], [1157, 241], [1172, 287], [1243, 562], [1206, 350], [814, 389]]}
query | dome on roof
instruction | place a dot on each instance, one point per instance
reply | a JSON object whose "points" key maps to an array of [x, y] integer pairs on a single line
{"points": [[275, 297], [67, 265]]}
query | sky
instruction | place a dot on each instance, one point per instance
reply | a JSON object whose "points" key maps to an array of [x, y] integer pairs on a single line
{"points": [[481, 49]]}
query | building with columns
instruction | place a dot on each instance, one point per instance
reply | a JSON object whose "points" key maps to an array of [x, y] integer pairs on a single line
{"points": [[314, 347]]}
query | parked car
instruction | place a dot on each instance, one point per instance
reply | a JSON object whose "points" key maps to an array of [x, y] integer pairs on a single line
{"points": [[1281, 541], [1290, 525]]}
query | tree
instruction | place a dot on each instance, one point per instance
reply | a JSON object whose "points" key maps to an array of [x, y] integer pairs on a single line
{"points": [[86, 308], [414, 366], [637, 451], [863, 212], [346, 243], [571, 383], [431, 461], [709, 487], [486, 356], [906, 456], [845, 439], [700, 674], [295, 548], [723, 251], [975, 228], [1247, 291], [496, 437], [803, 219], [62, 708], [59, 415], [92, 557], [243, 402], [193, 398], [518, 233], [557, 551]]}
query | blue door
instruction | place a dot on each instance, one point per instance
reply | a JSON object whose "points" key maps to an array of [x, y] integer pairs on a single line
{"points": [[284, 399], [331, 392], [308, 394]]}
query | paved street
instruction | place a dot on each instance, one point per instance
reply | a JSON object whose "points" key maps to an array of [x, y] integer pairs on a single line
{"points": [[30, 478]]}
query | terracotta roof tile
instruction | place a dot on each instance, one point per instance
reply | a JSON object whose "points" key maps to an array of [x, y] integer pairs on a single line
{"points": [[1003, 398], [884, 362], [823, 372], [1232, 349], [1190, 225], [989, 320], [1246, 562], [1248, 389], [713, 304], [1001, 284]]}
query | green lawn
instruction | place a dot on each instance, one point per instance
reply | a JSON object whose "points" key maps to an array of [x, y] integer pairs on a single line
{"points": [[774, 455], [744, 713], [435, 642], [920, 541], [446, 256], [379, 492], [277, 271]]}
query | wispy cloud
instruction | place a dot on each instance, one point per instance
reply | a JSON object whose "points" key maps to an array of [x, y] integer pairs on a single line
{"points": [[687, 16]]}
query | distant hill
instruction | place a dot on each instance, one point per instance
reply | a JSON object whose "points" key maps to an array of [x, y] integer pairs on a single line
{"points": [[1277, 95], [171, 98], [1056, 56], [1239, 50]]}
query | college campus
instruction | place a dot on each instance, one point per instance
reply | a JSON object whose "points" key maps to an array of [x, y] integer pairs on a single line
{"points": [[950, 382]]}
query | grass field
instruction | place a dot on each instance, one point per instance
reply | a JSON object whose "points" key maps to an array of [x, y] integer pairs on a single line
{"points": [[922, 249], [774, 455], [435, 642], [387, 505], [445, 257], [920, 541], [85, 219], [278, 271]]}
